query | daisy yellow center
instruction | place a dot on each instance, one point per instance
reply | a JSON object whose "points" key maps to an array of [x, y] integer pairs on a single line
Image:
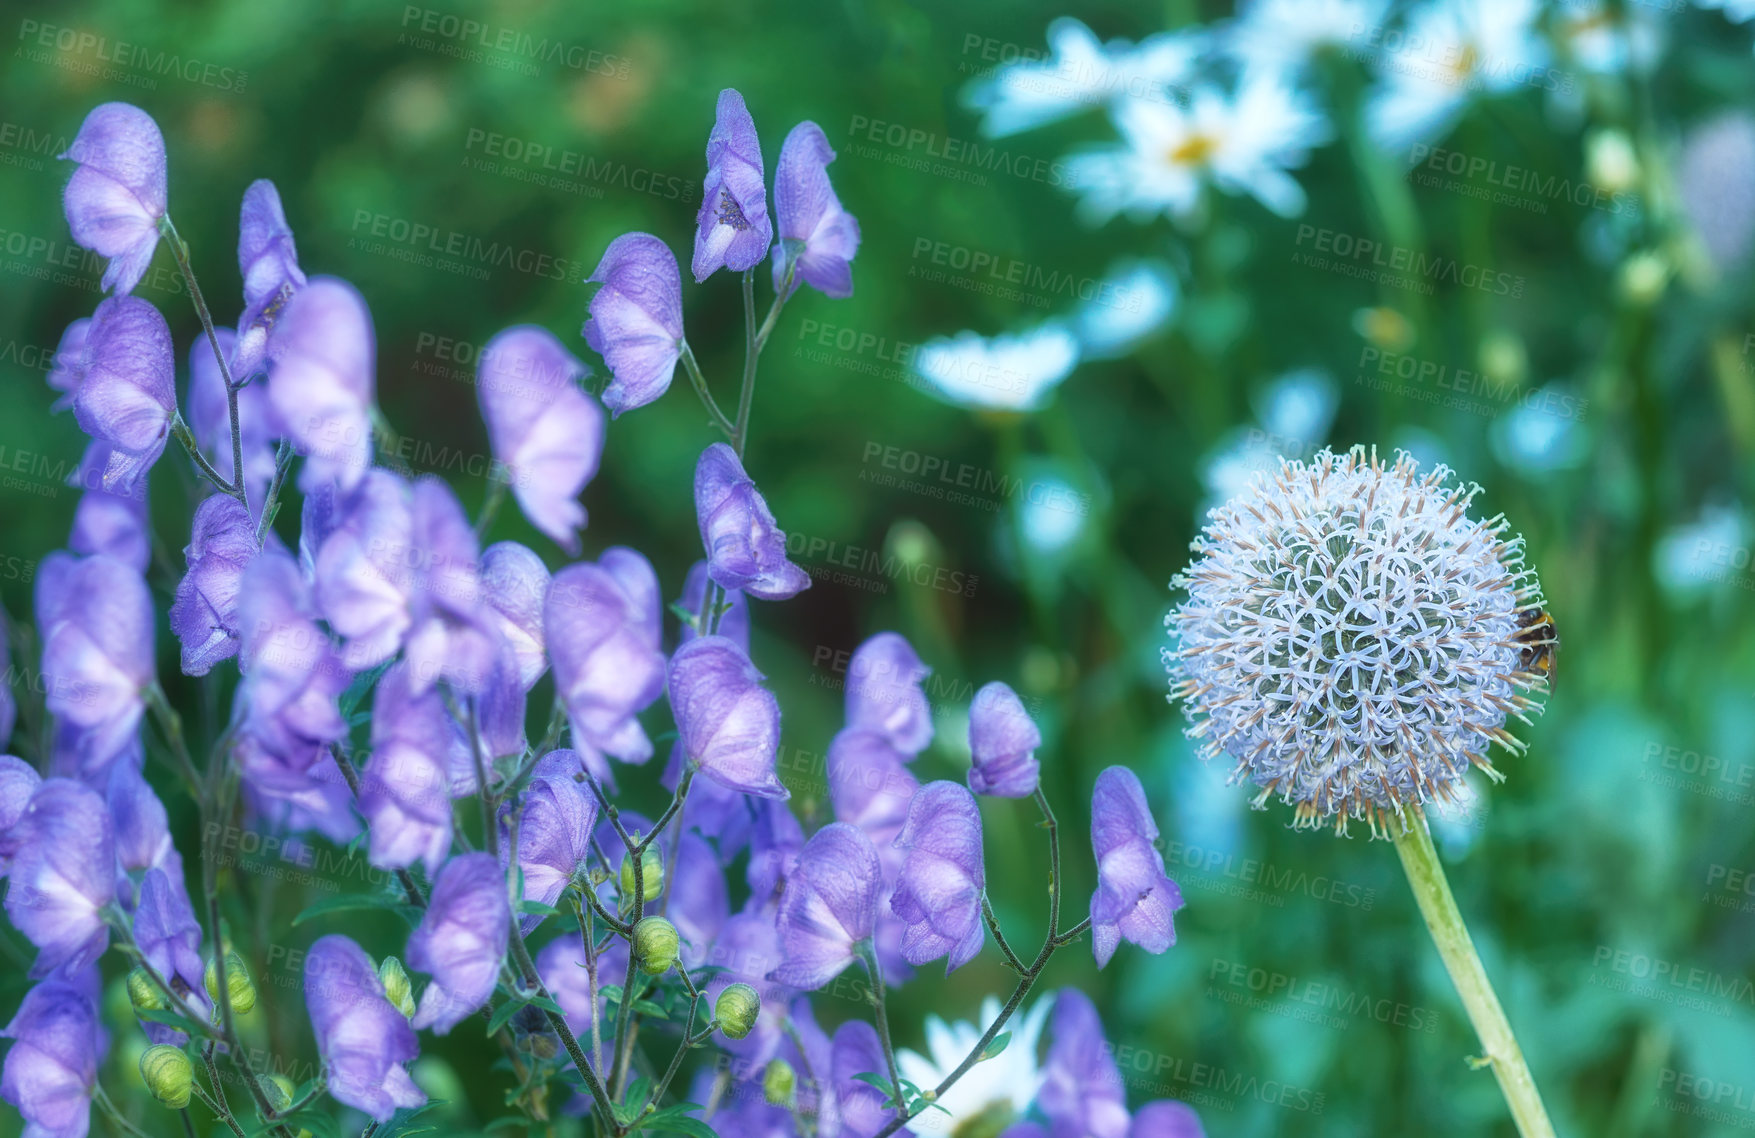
{"points": [[1466, 62], [988, 1122], [1194, 150]]}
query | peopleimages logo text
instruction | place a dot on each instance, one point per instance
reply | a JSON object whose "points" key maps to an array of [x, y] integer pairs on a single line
{"points": [[1369, 254]]}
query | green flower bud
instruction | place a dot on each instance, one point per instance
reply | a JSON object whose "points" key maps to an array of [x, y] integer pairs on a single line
{"points": [[277, 1089], [651, 874], [143, 993], [237, 983], [168, 1074], [736, 1010], [398, 989], [779, 1083], [655, 944]]}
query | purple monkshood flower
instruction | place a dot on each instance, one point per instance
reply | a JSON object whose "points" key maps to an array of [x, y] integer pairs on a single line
{"points": [[729, 722], [110, 520], [210, 416], [870, 784], [363, 1040], [68, 369], [115, 199], [515, 582], [500, 709], [541, 426], [405, 791], [884, 694], [138, 823], [126, 394], [1166, 1118], [734, 622], [1133, 900], [745, 548], [815, 232], [18, 781], [636, 319], [51, 1067], [461, 940], [775, 841], [939, 891], [321, 383], [732, 230], [270, 266], [170, 939], [601, 622], [1082, 1092], [63, 875], [1002, 744], [205, 614], [857, 1051], [95, 618], [403, 569], [829, 905], [554, 835], [700, 902]]}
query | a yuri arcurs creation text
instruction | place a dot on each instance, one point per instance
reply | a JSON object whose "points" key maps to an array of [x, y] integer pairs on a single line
{"points": [[370, 668]]}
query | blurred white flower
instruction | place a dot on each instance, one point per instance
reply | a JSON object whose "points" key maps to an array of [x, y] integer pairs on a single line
{"points": [[1282, 36], [1736, 11], [1080, 74], [997, 1089], [1132, 302], [1689, 557], [1299, 405], [1051, 514], [1531, 438], [1447, 52], [1244, 143], [1602, 41], [1009, 373], [1717, 180]]}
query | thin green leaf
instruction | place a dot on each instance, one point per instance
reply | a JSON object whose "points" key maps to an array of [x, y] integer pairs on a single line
{"points": [[998, 1045], [343, 902], [503, 1015]]}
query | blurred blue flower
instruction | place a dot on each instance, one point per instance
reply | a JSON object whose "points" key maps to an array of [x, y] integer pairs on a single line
{"points": [[1298, 405], [1049, 519], [1686, 557], [1535, 440], [1133, 301], [1007, 372]]}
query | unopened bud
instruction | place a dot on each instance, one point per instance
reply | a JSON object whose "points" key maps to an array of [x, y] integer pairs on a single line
{"points": [[168, 1074], [655, 944], [651, 874], [239, 989], [277, 1089], [779, 1083], [143, 993], [736, 1010], [397, 987]]}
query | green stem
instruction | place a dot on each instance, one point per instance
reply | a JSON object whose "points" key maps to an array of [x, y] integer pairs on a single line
{"points": [[180, 251], [533, 979], [1011, 958], [180, 431], [1053, 863], [1451, 936], [490, 506], [220, 1112], [271, 502], [103, 1100], [868, 956], [699, 382]]}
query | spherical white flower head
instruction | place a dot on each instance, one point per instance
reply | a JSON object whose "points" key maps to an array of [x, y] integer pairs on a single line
{"points": [[1350, 637]]}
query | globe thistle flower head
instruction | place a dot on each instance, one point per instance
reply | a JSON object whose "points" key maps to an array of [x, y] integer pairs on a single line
{"points": [[1351, 637]]}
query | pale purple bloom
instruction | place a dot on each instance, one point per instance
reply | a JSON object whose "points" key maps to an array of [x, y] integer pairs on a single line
{"points": [[884, 694], [732, 230], [95, 618], [547, 432], [636, 319], [406, 789], [170, 939], [363, 1040], [115, 199], [830, 904], [775, 839], [205, 614], [729, 722], [554, 835], [18, 781], [321, 384], [402, 569], [939, 891], [813, 1051], [111, 520], [1133, 900], [292, 794], [1002, 744], [870, 784], [210, 416], [745, 547], [68, 369], [857, 1051], [500, 709], [63, 875], [1082, 1092], [734, 622], [814, 229], [51, 1067], [515, 581], [138, 823], [461, 940], [700, 903], [126, 392], [1166, 1118], [269, 263], [601, 622]]}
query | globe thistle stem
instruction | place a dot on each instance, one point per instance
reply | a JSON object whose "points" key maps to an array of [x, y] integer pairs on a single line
{"points": [[1451, 936]]}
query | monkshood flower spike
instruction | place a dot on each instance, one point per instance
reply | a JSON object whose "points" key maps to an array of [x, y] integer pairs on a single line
{"points": [[1354, 642]]}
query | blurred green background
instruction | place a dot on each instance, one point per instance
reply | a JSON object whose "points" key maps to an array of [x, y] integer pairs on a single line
{"points": [[1602, 882]]}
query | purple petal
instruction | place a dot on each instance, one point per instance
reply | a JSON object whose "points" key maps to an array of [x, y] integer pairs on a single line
{"points": [[600, 622], [884, 694], [406, 789], [111, 520], [729, 722], [554, 837], [128, 395], [366, 570], [636, 319], [745, 547], [562, 966], [700, 903], [461, 940], [1134, 900], [137, 820], [18, 781], [269, 263], [749, 950], [824, 237], [210, 416], [451, 634], [70, 363], [292, 675], [95, 617], [205, 614], [169, 936], [941, 883], [732, 229], [547, 432], [116, 197], [1166, 1118], [869, 783], [857, 1051], [321, 384], [515, 582], [63, 876], [1002, 744], [362, 1039], [829, 905], [52, 1064], [1082, 1093], [734, 622]]}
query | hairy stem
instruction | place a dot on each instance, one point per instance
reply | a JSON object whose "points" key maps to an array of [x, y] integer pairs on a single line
{"points": [[180, 251], [1451, 936], [699, 382], [868, 957]]}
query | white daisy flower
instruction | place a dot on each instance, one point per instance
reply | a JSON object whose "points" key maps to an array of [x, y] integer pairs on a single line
{"points": [[1282, 36], [995, 1091], [1005, 373]]}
